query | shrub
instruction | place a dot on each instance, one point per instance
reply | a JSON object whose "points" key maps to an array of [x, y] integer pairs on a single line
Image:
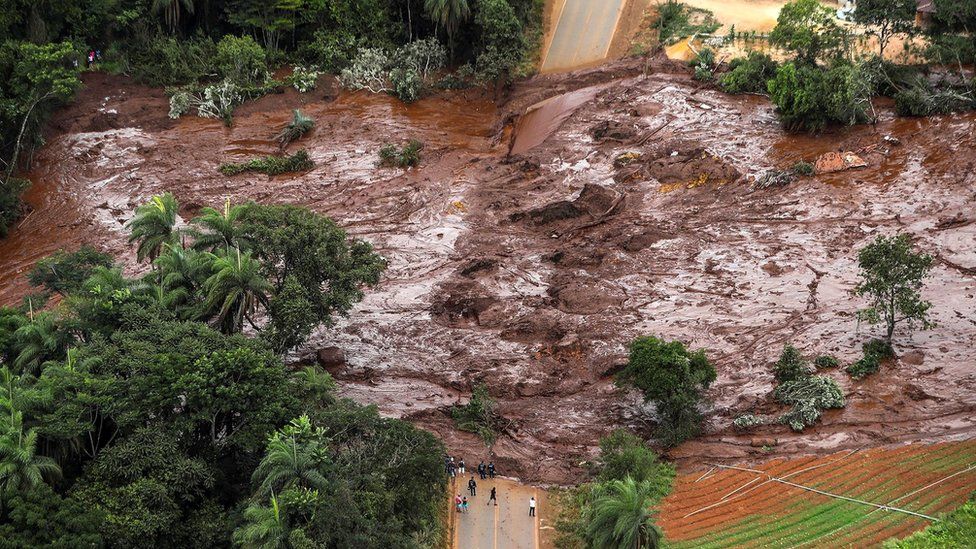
{"points": [[892, 276], [677, 20], [746, 421], [674, 379], [808, 396], [299, 126], [304, 79], [808, 97], [921, 100], [624, 455], [213, 101], [331, 50], [790, 366], [271, 165], [703, 73], [503, 43], [824, 362], [874, 352], [241, 60], [408, 156], [704, 57], [478, 415], [803, 168], [749, 74], [167, 61], [405, 73]]}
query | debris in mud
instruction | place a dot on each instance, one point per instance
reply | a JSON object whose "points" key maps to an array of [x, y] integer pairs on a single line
{"points": [[612, 130], [679, 164], [837, 162], [594, 201], [646, 239], [459, 307], [585, 297], [916, 393], [626, 159], [773, 178], [476, 266]]}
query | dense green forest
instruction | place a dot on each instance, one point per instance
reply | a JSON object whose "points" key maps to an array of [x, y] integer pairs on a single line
{"points": [[135, 413], [187, 44]]}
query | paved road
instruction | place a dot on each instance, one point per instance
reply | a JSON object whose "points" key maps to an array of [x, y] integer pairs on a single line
{"points": [[505, 526], [583, 33]]}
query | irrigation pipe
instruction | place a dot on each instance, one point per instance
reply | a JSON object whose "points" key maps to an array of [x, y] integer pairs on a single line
{"points": [[706, 474], [879, 506], [926, 487]]}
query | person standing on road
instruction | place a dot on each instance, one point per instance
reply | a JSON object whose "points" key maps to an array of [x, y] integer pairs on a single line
{"points": [[532, 506], [464, 505], [457, 502], [482, 470], [491, 469], [472, 486], [461, 466], [492, 497]]}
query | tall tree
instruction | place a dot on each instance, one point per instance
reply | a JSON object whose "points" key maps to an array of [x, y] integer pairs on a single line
{"points": [[295, 458], [892, 275], [620, 517], [809, 30], [154, 226], [172, 11], [38, 341], [448, 14], [886, 18], [214, 230], [235, 290], [264, 527], [21, 467]]}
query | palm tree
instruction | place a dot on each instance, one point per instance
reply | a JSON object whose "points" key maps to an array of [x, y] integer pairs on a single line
{"points": [[221, 230], [38, 341], [448, 14], [264, 527], [293, 458], [234, 290], [181, 275], [153, 225], [171, 10], [621, 518], [21, 468]]}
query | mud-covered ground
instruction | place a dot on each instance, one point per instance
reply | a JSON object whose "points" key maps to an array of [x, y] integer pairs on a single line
{"points": [[531, 273]]}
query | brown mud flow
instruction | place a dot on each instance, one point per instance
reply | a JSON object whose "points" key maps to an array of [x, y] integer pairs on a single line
{"points": [[635, 215]]}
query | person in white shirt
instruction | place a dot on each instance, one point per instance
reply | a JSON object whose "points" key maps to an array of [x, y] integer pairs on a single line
{"points": [[532, 506]]}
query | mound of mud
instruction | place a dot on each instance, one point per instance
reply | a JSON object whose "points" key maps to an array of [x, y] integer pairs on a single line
{"points": [[679, 164], [594, 201]]}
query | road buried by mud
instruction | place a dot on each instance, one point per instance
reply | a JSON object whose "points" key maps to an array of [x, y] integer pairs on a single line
{"points": [[533, 272]]}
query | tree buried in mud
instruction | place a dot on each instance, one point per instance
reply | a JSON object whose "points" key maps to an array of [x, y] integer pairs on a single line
{"points": [[674, 379], [478, 415], [892, 276]]}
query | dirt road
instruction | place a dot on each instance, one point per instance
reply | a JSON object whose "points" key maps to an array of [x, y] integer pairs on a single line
{"points": [[503, 526]]}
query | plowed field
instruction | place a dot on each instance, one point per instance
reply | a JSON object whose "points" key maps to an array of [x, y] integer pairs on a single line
{"points": [[773, 505]]}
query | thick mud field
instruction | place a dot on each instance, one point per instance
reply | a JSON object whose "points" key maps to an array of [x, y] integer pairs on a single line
{"points": [[531, 272]]}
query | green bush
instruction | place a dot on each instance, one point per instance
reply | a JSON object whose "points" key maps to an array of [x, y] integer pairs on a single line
{"points": [[674, 379], [167, 61], [808, 97], [803, 168], [478, 415], [824, 362], [922, 100], [749, 74], [677, 20], [791, 365], [624, 455], [875, 351], [408, 156], [330, 50], [271, 165], [704, 57], [241, 59], [808, 396]]}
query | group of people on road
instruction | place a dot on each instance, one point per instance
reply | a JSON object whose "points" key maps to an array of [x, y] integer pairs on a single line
{"points": [[455, 468]]}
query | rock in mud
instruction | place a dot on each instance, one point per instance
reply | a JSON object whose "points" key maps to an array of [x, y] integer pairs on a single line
{"points": [[332, 359], [837, 162], [593, 201]]}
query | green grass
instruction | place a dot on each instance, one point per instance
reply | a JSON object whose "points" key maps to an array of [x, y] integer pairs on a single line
{"points": [[271, 165]]}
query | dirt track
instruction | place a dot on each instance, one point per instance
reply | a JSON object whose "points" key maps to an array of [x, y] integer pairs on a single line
{"points": [[532, 273]]}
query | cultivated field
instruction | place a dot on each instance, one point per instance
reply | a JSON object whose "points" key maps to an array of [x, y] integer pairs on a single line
{"points": [[774, 505]]}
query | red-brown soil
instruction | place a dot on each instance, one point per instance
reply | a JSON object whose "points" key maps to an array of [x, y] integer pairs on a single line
{"points": [[531, 273]]}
